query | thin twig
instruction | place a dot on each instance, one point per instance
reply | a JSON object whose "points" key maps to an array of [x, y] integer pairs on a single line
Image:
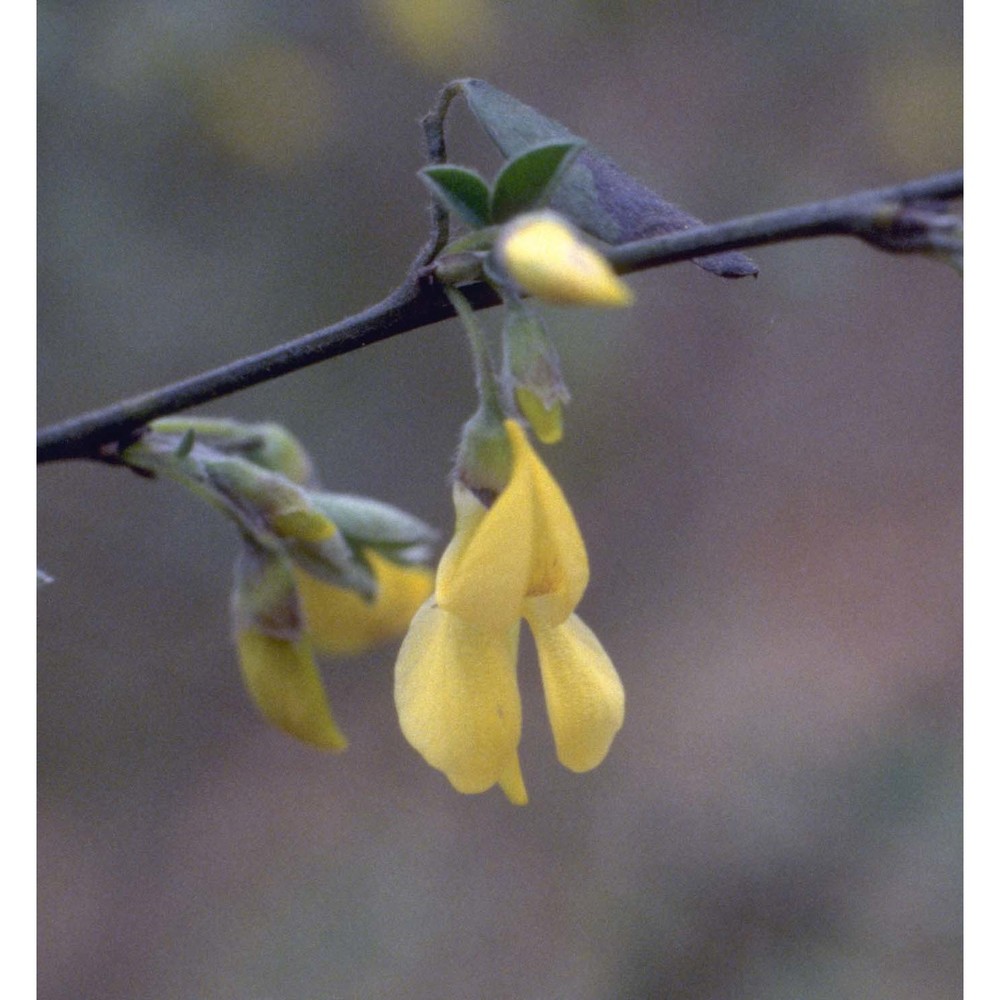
{"points": [[874, 216], [893, 219], [433, 128]]}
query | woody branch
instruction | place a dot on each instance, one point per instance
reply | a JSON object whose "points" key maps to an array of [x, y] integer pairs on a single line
{"points": [[905, 218]]}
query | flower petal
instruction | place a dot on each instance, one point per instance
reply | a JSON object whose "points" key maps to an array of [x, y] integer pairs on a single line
{"points": [[512, 783], [583, 693], [457, 698], [282, 679], [341, 621], [527, 544], [483, 574], [559, 568]]}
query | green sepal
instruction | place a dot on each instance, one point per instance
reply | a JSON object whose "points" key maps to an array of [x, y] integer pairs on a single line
{"points": [[485, 458], [460, 190], [274, 512], [600, 197], [156, 453], [264, 596], [531, 373], [526, 180], [266, 498], [336, 562], [459, 268], [371, 524], [266, 444], [266, 505]]}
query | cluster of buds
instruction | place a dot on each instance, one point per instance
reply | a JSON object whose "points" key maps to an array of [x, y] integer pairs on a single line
{"points": [[316, 570], [541, 254], [524, 249]]}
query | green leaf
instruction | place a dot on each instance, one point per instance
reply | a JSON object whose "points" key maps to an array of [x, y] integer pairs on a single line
{"points": [[461, 191], [478, 239], [594, 192], [526, 180]]}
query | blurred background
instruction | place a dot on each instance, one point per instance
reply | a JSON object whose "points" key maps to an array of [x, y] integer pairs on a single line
{"points": [[767, 473]]}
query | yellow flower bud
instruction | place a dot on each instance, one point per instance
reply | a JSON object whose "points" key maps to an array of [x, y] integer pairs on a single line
{"points": [[341, 621], [546, 421], [275, 654], [531, 372], [545, 256], [284, 682]]}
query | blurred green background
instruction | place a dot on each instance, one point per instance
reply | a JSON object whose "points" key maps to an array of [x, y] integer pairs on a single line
{"points": [[767, 473]]}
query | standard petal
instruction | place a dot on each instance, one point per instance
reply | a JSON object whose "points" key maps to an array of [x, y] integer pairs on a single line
{"points": [[457, 698], [341, 621], [282, 679], [483, 574], [583, 693], [559, 569]]}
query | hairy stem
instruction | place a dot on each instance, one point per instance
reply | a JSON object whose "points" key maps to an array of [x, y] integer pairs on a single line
{"points": [[486, 382]]}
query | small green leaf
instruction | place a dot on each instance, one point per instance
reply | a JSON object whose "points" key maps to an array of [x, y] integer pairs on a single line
{"points": [[472, 242], [461, 191], [185, 444], [526, 180], [600, 197]]}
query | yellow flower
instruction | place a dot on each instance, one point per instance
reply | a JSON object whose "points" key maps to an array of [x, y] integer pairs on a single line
{"points": [[342, 622], [456, 684], [282, 615], [544, 255]]}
